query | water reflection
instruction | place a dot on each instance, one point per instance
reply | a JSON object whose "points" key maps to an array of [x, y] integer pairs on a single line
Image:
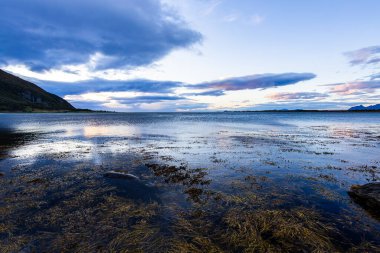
{"points": [[119, 130]]}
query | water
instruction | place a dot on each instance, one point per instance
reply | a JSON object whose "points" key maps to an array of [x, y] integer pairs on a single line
{"points": [[255, 164]]}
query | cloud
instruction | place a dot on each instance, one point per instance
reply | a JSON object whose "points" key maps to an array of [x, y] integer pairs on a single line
{"points": [[148, 99], [101, 85], [45, 34], [263, 81], [373, 60], [217, 88], [309, 105], [297, 96], [129, 101], [93, 105], [192, 107], [356, 87], [367, 55], [375, 76], [214, 93], [132, 94], [121, 97]]}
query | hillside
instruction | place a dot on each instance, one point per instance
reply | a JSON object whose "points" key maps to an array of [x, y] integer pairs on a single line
{"points": [[18, 95]]}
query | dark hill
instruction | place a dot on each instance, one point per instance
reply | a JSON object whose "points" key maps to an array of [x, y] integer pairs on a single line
{"points": [[18, 95]]}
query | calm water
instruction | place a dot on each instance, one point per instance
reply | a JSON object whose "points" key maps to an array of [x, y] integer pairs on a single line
{"points": [[254, 164]]}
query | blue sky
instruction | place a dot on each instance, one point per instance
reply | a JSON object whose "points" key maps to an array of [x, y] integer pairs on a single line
{"points": [[183, 55]]}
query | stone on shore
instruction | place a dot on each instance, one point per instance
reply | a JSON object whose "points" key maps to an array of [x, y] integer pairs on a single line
{"points": [[367, 196]]}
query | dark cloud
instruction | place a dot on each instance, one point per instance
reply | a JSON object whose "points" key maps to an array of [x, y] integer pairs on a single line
{"points": [[101, 85], [297, 96], [367, 55], [263, 81], [45, 34]]}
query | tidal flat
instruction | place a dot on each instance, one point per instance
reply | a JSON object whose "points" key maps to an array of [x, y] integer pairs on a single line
{"points": [[187, 182]]}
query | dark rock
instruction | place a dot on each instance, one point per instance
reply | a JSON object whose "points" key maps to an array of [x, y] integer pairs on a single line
{"points": [[2, 174], [37, 181], [367, 196], [120, 175]]}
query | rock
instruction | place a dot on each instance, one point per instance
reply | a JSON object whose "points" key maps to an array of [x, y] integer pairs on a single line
{"points": [[2, 174], [367, 196], [120, 175], [37, 181]]}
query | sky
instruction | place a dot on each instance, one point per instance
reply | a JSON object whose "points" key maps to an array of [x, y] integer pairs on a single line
{"points": [[196, 55]]}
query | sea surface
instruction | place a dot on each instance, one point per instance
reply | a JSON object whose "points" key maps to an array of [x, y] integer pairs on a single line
{"points": [[207, 182]]}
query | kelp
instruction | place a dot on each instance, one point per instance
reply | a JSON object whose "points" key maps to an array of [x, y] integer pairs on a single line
{"points": [[78, 210]]}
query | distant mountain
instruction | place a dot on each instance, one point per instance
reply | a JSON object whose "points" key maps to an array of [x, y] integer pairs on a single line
{"points": [[18, 95], [357, 108], [365, 108]]}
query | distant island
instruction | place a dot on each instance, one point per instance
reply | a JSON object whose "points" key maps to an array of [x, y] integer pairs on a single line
{"points": [[359, 108], [365, 108]]}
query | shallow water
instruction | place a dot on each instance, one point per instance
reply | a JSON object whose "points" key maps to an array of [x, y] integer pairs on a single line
{"points": [[235, 173]]}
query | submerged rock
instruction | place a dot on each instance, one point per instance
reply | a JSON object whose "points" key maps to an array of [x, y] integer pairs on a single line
{"points": [[120, 175], [37, 181], [367, 196]]}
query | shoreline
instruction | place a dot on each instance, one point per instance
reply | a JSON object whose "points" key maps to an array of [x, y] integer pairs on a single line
{"points": [[200, 112]]}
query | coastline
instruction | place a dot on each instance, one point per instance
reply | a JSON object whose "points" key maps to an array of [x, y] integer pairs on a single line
{"points": [[263, 111]]}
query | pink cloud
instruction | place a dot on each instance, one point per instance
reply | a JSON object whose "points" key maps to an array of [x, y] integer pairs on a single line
{"points": [[356, 87], [367, 55], [297, 96]]}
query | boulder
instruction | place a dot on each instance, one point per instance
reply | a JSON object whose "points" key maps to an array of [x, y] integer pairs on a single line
{"points": [[367, 196]]}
